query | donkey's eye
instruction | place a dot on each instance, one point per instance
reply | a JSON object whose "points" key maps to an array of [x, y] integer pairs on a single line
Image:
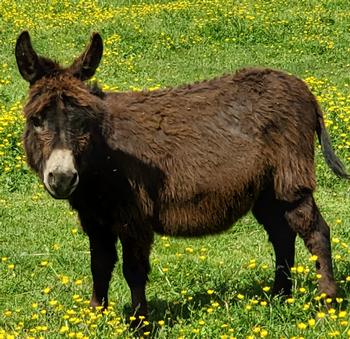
{"points": [[38, 122]]}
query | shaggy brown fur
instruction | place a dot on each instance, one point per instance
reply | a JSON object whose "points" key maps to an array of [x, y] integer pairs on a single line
{"points": [[185, 161]]}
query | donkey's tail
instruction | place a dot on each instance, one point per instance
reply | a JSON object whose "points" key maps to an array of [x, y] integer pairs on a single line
{"points": [[331, 159]]}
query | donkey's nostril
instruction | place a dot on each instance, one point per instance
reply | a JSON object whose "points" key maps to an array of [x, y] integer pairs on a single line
{"points": [[51, 178], [74, 178]]}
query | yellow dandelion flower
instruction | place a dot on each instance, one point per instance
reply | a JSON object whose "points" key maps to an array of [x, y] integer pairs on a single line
{"points": [[300, 269], [64, 279], [311, 322], [334, 334], [56, 247], [332, 311], [263, 333], [64, 329], [256, 329], [313, 258], [302, 326], [252, 265], [47, 290], [342, 314], [339, 300]]}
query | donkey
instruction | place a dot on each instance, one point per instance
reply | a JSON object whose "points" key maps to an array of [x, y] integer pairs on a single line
{"points": [[185, 161]]}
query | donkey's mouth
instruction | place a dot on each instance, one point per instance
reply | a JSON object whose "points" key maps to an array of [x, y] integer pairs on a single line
{"points": [[61, 194]]}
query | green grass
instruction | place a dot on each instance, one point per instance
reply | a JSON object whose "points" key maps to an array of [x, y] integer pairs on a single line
{"points": [[153, 44]]}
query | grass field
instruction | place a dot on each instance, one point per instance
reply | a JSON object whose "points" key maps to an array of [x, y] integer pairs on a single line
{"points": [[214, 287]]}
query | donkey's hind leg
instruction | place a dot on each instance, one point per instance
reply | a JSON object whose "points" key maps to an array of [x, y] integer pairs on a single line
{"points": [[305, 219], [270, 212]]}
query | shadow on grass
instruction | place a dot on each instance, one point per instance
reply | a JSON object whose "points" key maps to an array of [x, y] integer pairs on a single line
{"points": [[177, 311]]}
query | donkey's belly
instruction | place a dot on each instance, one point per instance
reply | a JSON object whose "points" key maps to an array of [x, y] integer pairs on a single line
{"points": [[203, 215]]}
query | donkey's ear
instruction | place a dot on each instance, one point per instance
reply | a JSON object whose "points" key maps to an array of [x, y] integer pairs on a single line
{"points": [[27, 59], [84, 67]]}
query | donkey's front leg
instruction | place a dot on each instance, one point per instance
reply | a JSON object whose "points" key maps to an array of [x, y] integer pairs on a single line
{"points": [[103, 258], [135, 269]]}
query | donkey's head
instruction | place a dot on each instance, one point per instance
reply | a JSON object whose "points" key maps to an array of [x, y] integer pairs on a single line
{"points": [[62, 114]]}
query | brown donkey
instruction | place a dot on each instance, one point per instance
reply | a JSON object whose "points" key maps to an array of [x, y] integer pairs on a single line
{"points": [[186, 161]]}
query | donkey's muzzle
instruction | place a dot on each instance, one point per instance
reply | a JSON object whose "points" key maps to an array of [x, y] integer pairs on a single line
{"points": [[62, 184], [60, 175]]}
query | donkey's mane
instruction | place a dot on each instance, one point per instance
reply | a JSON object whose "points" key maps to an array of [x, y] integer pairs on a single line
{"points": [[96, 89]]}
